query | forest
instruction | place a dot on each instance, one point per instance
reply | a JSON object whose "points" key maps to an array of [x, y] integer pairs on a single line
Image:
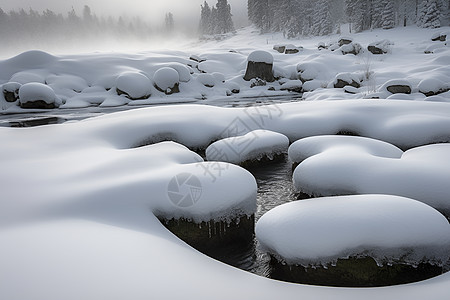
{"points": [[305, 17]]}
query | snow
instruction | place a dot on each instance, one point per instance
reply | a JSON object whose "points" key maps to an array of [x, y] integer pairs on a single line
{"points": [[30, 92], [134, 84], [307, 147], [166, 78], [77, 212], [420, 173], [261, 56], [250, 147], [387, 228]]}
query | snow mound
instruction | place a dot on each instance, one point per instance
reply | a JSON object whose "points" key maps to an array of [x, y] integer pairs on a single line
{"points": [[69, 82], [420, 173], [387, 228], [166, 79], [252, 146], [307, 147], [183, 71], [207, 80], [133, 84], [261, 57], [432, 86], [292, 86], [27, 77], [32, 92]]}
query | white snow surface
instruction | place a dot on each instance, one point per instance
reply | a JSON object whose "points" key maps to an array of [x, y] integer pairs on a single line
{"points": [[307, 147], [78, 199], [387, 228], [253, 146], [337, 168], [261, 56]]}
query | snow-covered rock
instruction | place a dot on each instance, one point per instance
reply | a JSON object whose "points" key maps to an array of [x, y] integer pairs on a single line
{"points": [[70, 82], [260, 65], [343, 79], [207, 80], [183, 71], [292, 86], [380, 47], [37, 95], [167, 80], [307, 147], [28, 77], [397, 86], [390, 229], [433, 86], [253, 146], [352, 48], [420, 173], [10, 91], [134, 85]]}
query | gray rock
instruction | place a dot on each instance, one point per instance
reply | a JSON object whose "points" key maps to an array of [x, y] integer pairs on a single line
{"points": [[399, 89]]}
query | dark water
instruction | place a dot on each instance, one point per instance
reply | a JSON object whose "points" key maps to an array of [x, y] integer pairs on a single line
{"points": [[275, 187]]}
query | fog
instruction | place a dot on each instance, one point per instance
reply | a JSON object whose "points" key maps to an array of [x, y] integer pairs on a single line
{"points": [[143, 19]]}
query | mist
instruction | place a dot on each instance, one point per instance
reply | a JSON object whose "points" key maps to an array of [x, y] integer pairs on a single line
{"points": [[132, 25]]}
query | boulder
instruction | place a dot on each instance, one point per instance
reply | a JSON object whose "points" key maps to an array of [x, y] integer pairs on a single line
{"points": [[291, 49], [347, 79], [352, 48], [207, 80], [133, 85], [37, 96], [11, 91], [279, 48], [399, 89], [167, 80], [344, 41], [322, 46], [257, 82], [292, 86], [380, 47], [439, 37], [260, 65]]}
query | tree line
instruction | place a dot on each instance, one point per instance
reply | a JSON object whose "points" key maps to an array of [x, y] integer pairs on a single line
{"points": [[323, 17], [216, 19], [35, 28]]}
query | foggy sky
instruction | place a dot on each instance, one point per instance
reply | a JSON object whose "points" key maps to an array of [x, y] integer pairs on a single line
{"points": [[152, 11]]}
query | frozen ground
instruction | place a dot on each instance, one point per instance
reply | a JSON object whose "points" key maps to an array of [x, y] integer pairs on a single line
{"points": [[78, 200]]}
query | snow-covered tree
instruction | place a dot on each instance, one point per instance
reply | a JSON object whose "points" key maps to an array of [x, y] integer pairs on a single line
{"points": [[224, 21], [205, 26], [429, 14], [388, 17]]}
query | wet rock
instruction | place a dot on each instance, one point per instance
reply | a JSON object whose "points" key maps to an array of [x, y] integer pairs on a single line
{"points": [[260, 65], [380, 47], [209, 236], [291, 49], [197, 58], [354, 272]]}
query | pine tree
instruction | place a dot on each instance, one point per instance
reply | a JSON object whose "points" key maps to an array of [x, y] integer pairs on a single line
{"points": [[431, 16], [322, 19], [377, 13], [388, 17], [205, 26], [223, 18]]}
